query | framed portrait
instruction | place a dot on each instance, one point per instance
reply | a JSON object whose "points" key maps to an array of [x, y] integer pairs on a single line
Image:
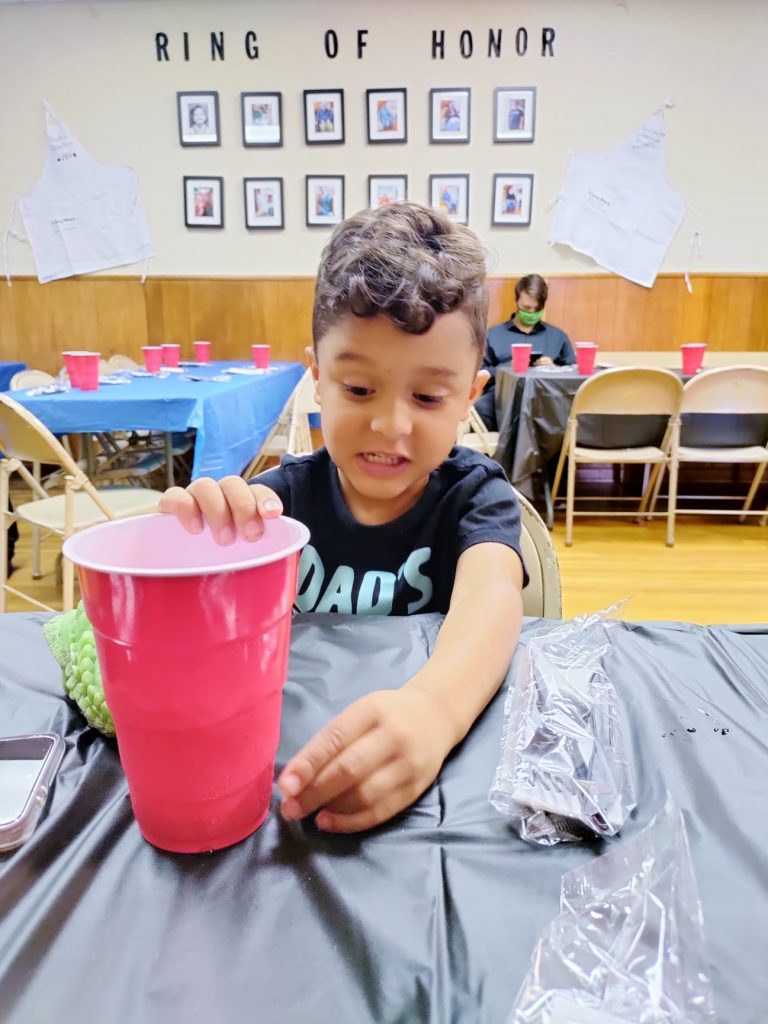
{"points": [[263, 202], [324, 116], [514, 113], [262, 114], [449, 115], [450, 193], [204, 202], [198, 118], [512, 200], [384, 189], [386, 115], [325, 200]]}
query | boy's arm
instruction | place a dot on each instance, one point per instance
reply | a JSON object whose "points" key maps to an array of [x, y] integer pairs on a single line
{"points": [[383, 751]]}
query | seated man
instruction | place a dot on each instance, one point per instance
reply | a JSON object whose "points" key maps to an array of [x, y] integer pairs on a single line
{"points": [[550, 345]]}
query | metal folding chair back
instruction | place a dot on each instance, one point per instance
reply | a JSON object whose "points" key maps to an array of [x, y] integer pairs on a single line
{"points": [[626, 391]]}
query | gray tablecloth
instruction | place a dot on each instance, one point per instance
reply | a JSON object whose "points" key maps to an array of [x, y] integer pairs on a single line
{"points": [[532, 413], [430, 918]]}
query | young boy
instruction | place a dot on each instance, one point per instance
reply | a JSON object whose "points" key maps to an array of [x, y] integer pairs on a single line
{"points": [[401, 521]]}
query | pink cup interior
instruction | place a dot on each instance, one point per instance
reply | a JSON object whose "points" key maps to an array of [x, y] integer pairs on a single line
{"points": [[521, 356], [261, 355], [158, 545], [171, 354], [153, 357]]}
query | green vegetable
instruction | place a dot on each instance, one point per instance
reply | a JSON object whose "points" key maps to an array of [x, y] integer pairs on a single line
{"points": [[70, 638]]}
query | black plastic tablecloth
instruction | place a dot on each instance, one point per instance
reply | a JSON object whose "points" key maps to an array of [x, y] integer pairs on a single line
{"points": [[430, 918]]}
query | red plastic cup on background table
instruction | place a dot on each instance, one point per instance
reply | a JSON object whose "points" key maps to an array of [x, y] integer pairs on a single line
{"points": [[192, 639], [521, 356], [153, 358], [586, 353], [693, 357], [171, 354], [260, 355], [89, 371], [72, 365], [202, 351]]}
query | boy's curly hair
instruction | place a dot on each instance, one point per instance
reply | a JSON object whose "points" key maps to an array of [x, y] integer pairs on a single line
{"points": [[406, 262]]}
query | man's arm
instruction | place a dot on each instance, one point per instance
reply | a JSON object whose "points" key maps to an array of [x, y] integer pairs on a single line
{"points": [[380, 754]]}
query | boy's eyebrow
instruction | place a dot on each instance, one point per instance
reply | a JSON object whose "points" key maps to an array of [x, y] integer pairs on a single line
{"points": [[441, 372]]}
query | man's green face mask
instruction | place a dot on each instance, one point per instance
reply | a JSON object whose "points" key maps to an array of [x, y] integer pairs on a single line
{"points": [[529, 319]]}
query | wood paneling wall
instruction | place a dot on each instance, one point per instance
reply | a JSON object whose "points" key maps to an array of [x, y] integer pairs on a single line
{"points": [[119, 314]]}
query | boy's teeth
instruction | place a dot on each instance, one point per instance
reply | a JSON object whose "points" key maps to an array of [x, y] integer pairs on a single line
{"points": [[387, 460]]}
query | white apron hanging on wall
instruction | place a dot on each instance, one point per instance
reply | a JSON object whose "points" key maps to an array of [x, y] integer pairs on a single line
{"points": [[82, 215], [617, 207]]}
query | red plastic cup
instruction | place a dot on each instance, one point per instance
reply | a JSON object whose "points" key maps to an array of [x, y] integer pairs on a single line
{"points": [[72, 366], [521, 356], [171, 354], [88, 371], [261, 356], [153, 358], [192, 640], [586, 353], [202, 351], [693, 357]]}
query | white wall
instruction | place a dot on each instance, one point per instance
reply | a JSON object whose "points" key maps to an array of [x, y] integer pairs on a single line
{"points": [[614, 62]]}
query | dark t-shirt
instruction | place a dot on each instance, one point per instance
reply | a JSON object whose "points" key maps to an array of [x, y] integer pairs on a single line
{"points": [[546, 340], [402, 567]]}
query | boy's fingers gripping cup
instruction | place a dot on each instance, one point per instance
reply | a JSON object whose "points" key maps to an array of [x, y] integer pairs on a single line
{"points": [[586, 353], [521, 356], [192, 639], [171, 354], [202, 351], [153, 358], [693, 357], [260, 355]]}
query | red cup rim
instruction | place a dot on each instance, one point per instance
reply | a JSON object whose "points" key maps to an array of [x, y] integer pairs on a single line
{"points": [[694, 344], [72, 543], [151, 348], [260, 346], [169, 344], [586, 344]]}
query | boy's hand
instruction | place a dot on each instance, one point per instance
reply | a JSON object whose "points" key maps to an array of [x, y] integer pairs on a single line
{"points": [[371, 761], [229, 506]]}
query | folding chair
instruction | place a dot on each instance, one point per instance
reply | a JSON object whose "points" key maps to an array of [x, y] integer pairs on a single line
{"points": [[121, 362], [627, 391], [24, 439], [291, 434], [543, 597], [728, 391], [474, 434]]}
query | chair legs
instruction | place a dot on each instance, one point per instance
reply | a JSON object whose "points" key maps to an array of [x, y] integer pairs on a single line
{"points": [[753, 491], [570, 500]]}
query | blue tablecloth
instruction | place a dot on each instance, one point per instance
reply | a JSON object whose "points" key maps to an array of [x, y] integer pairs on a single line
{"points": [[7, 370], [232, 418]]}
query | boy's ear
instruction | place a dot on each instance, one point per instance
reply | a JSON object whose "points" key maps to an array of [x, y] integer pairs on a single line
{"points": [[481, 379], [309, 352]]}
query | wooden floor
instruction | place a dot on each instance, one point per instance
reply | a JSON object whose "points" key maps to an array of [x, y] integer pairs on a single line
{"points": [[717, 571]]}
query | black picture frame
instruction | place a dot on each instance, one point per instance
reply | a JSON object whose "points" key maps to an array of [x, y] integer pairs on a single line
{"points": [[323, 117], [512, 200], [397, 183], [196, 212], [270, 131], [190, 129], [450, 193], [315, 182], [273, 216], [514, 113], [394, 104], [450, 116]]}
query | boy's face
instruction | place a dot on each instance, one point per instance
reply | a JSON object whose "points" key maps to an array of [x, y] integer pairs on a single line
{"points": [[391, 406]]}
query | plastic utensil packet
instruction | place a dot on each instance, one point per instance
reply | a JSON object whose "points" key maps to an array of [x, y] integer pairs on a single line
{"points": [[564, 772], [628, 944]]}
